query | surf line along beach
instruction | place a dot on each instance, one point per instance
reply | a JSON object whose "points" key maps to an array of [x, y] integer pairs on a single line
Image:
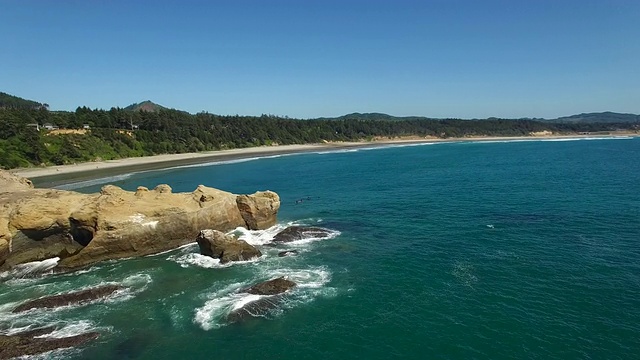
{"points": [[50, 176]]}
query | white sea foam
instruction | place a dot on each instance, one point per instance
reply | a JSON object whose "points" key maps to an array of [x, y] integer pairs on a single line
{"points": [[262, 237], [337, 151], [314, 277], [30, 268], [71, 329], [374, 147], [332, 234], [203, 261], [259, 237], [93, 182], [545, 140], [226, 162], [219, 303], [140, 280], [245, 300], [213, 163], [62, 353], [589, 138], [311, 283], [63, 329], [401, 145], [132, 285]]}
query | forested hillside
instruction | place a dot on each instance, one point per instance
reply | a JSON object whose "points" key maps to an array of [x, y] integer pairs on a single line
{"points": [[118, 133], [13, 102]]}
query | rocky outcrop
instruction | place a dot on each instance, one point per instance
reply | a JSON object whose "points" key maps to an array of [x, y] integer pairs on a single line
{"points": [[272, 290], [72, 298], [10, 182], [4, 250], [225, 247], [271, 287], [288, 253], [255, 308], [81, 229], [30, 342], [259, 210], [294, 233]]}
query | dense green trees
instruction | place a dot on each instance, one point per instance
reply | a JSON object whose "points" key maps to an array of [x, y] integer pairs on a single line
{"points": [[8, 101], [118, 133]]}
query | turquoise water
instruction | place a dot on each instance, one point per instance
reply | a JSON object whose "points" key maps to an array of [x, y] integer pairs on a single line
{"points": [[462, 250]]}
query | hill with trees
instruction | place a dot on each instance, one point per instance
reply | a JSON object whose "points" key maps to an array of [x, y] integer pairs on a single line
{"points": [[118, 133], [13, 102], [601, 117], [145, 106]]}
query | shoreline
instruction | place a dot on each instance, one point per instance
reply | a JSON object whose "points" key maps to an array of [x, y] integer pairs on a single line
{"points": [[63, 174]]}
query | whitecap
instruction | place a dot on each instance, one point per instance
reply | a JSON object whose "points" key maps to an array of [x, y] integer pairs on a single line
{"points": [[311, 284], [204, 261], [62, 353], [337, 151], [262, 237], [71, 329], [258, 237], [219, 304], [93, 182], [590, 138], [30, 268], [314, 277]]}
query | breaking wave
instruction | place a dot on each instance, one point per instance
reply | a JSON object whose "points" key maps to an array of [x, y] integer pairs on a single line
{"points": [[93, 182], [311, 283], [263, 237], [30, 268]]}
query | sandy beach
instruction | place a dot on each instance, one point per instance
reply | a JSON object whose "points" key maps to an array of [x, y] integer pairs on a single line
{"points": [[55, 175]]}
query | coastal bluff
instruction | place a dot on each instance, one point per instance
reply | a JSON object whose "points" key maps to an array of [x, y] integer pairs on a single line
{"points": [[82, 229]]}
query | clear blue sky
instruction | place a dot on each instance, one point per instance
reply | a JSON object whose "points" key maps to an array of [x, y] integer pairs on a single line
{"points": [[308, 58]]}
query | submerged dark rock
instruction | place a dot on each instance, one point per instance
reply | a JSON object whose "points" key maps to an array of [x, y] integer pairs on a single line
{"points": [[133, 347], [288, 253], [271, 287], [77, 297], [293, 233], [257, 308], [273, 290], [224, 247], [26, 343]]}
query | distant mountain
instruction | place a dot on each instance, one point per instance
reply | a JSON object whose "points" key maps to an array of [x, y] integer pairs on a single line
{"points": [[602, 117], [375, 117], [8, 101], [148, 106]]}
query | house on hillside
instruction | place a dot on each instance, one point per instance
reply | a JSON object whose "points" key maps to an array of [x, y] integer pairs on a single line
{"points": [[86, 127], [49, 126], [35, 126]]}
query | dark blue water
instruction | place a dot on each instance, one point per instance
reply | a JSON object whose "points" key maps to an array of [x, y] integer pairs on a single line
{"points": [[463, 250]]}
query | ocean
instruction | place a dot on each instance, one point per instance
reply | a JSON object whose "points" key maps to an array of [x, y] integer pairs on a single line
{"points": [[485, 250]]}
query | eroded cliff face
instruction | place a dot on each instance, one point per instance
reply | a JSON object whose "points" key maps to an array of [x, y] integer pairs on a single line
{"points": [[81, 229]]}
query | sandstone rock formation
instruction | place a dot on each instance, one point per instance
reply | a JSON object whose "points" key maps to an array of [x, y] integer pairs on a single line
{"points": [[30, 342], [224, 247], [76, 297], [293, 233], [81, 229]]}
